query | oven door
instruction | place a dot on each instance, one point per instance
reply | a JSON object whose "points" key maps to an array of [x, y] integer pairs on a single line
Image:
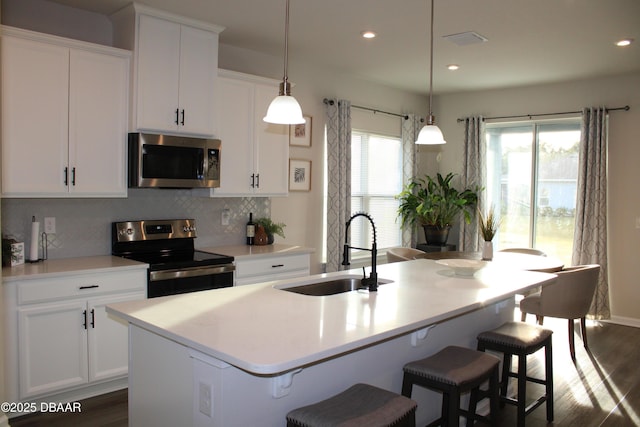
{"points": [[180, 281]]}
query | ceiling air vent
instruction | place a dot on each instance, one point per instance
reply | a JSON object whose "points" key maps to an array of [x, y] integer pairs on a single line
{"points": [[463, 39]]}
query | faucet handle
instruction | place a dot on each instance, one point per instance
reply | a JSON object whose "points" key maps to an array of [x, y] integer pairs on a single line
{"points": [[345, 255]]}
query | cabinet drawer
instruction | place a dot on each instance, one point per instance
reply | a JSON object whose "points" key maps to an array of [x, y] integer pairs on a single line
{"points": [[82, 285], [272, 265]]}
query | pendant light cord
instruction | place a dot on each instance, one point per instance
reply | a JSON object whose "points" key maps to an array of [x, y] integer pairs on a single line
{"points": [[286, 47], [430, 66]]}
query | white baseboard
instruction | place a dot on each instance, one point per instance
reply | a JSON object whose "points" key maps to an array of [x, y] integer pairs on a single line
{"points": [[625, 321]]}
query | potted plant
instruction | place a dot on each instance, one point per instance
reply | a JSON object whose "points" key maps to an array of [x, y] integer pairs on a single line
{"points": [[271, 228], [488, 226], [435, 204]]}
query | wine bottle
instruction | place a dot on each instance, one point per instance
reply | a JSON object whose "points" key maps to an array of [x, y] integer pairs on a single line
{"points": [[251, 230]]}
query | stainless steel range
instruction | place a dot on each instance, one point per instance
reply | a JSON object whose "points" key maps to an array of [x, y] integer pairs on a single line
{"points": [[175, 267]]}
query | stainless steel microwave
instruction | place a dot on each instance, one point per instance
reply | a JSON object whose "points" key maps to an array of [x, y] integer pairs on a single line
{"points": [[173, 161]]}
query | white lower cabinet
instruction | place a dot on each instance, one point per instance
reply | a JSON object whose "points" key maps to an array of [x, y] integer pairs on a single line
{"points": [[65, 338], [273, 267]]}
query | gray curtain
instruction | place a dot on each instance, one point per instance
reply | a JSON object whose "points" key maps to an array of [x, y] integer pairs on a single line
{"points": [[338, 120], [474, 172], [410, 128], [590, 236]]}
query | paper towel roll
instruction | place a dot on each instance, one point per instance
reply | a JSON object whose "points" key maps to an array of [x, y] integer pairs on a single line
{"points": [[35, 238]]}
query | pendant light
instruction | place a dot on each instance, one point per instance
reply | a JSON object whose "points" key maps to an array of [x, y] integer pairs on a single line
{"points": [[430, 134], [284, 109]]}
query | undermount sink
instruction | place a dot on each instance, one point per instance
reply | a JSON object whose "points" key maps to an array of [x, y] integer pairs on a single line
{"points": [[329, 286]]}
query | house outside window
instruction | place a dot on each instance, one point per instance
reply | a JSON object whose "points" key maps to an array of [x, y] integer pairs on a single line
{"points": [[532, 172]]}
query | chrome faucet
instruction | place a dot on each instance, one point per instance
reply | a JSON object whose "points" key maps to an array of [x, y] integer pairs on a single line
{"points": [[370, 282]]}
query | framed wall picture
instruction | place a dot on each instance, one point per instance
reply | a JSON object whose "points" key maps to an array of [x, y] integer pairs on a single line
{"points": [[300, 135], [299, 175]]}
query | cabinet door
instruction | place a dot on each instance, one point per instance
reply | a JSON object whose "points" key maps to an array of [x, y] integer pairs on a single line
{"points": [[35, 96], [98, 99], [272, 147], [158, 74], [198, 73], [236, 132], [108, 339], [52, 347]]}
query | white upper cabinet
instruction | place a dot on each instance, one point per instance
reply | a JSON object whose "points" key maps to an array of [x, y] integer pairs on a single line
{"points": [[175, 70], [255, 154], [64, 125]]}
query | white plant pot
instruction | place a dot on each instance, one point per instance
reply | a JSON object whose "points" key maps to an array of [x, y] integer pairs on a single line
{"points": [[487, 251]]}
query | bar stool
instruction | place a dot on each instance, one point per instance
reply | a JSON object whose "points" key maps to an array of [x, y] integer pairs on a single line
{"points": [[521, 339], [360, 405], [454, 371]]}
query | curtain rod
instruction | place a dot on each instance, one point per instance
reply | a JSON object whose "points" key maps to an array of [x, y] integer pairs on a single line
{"points": [[625, 108], [404, 116]]}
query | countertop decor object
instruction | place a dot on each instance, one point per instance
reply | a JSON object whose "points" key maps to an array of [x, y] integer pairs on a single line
{"points": [[463, 267], [435, 204], [488, 225], [271, 228]]}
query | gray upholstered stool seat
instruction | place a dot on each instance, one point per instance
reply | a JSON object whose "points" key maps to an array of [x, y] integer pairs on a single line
{"points": [[453, 371], [360, 405], [521, 339]]}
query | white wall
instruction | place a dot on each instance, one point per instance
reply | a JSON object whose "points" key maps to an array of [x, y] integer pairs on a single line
{"points": [[624, 155]]}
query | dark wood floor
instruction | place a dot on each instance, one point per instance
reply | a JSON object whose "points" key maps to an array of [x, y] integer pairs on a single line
{"points": [[601, 389]]}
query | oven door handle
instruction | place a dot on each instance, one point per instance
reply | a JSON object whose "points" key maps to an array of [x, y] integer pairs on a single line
{"points": [[190, 272]]}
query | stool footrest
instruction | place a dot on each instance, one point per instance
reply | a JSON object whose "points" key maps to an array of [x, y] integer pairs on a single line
{"points": [[529, 408], [531, 379]]}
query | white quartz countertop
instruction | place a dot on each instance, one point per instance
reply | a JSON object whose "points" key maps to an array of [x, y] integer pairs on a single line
{"points": [[65, 266], [267, 331], [247, 251]]}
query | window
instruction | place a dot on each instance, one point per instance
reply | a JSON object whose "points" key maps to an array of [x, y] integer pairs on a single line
{"points": [[532, 172], [376, 178]]}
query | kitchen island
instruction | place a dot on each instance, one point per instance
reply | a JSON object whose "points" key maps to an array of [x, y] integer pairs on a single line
{"points": [[247, 355]]}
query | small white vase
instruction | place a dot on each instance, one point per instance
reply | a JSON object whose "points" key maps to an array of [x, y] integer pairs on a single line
{"points": [[487, 251]]}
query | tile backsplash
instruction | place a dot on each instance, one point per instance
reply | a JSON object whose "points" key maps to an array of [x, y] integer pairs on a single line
{"points": [[83, 226]]}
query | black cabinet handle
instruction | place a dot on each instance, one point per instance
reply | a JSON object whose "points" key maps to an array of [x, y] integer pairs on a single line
{"points": [[73, 176], [66, 176], [177, 115], [182, 121], [89, 287], [277, 266], [84, 319], [253, 180], [93, 318], [258, 180]]}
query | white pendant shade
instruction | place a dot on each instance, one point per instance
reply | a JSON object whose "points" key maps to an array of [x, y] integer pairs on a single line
{"points": [[284, 110], [430, 135]]}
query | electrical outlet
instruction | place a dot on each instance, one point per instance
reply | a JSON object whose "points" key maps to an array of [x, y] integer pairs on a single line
{"points": [[50, 225], [226, 215], [205, 402]]}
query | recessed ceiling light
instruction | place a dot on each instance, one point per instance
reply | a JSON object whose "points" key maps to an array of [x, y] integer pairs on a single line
{"points": [[624, 42], [368, 34], [453, 67]]}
